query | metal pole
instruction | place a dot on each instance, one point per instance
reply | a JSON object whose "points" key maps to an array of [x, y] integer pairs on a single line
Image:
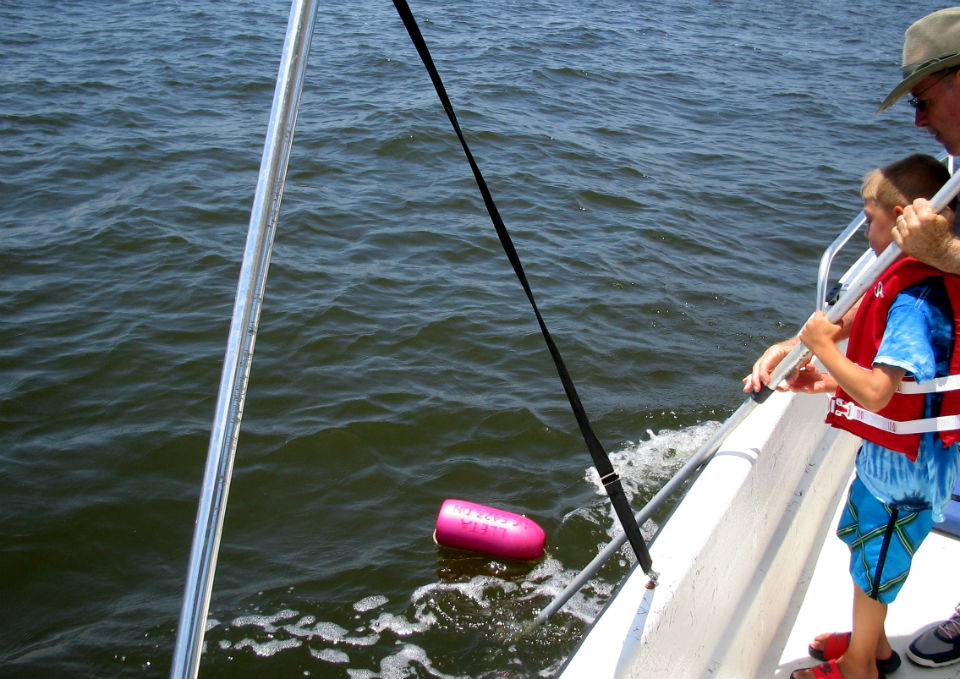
{"points": [[240, 342], [823, 277]]}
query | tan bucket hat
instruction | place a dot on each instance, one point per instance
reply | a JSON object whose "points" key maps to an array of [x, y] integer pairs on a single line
{"points": [[931, 44]]}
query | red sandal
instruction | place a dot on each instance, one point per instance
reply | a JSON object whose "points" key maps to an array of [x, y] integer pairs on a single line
{"points": [[827, 670], [835, 645]]}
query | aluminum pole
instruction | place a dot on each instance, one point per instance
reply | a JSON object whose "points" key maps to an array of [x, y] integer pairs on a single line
{"points": [[241, 340]]}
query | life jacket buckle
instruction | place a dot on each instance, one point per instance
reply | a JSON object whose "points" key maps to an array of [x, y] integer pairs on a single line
{"points": [[840, 407]]}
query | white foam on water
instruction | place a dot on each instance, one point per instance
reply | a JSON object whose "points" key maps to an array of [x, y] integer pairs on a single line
{"points": [[362, 674], [268, 648], [368, 640], [543, 578], [331, 655], [327, 631], [638, 461], [266, 622], [549, 578], [473, 589], [400, 626], [369, 603], [646, 465], [400, 665]]}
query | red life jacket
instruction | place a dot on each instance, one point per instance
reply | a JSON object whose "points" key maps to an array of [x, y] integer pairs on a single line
{"points": [[865, 336]]}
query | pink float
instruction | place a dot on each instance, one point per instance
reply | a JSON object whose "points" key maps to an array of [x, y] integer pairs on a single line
{"points": [[467, 525]]}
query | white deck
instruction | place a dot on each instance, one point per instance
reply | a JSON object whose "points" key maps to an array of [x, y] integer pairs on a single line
{"points": [[929, 595]]}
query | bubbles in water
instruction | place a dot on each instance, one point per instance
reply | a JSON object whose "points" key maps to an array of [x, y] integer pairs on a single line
{"points": [[399, 625], [269, 648], [400, 665], [369, 603], [651, 462], [331, 656], [264, 621]]}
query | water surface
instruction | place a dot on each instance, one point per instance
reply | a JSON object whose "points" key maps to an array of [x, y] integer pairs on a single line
{"points": [[670, 173]]}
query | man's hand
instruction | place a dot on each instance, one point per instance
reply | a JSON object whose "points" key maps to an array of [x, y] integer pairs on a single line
{"points": [[922, 233], [810, 380], [767, 363]]}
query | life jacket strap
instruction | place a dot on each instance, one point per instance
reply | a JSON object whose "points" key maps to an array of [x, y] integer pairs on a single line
{"points": [[852, 411], [948, 383]]}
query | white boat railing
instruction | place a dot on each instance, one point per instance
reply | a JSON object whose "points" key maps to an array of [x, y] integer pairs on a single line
{"points": [[862, 283], [824, 292], [241, 339], [826, 260]]}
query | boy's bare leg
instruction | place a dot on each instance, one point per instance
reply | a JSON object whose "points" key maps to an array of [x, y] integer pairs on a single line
{"points": [[869, 640]]}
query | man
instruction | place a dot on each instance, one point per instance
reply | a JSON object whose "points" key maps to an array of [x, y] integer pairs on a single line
{"points": [[931, 75], [931, 70]]}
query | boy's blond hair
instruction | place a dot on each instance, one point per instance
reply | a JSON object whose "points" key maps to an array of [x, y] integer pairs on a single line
{"points": [[905, 180]]}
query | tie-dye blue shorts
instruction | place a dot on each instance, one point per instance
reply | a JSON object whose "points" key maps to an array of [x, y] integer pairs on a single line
{"points": [[882, 541]]}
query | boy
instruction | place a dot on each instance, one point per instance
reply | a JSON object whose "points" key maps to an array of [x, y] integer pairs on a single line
{"points": [[903, 329]]}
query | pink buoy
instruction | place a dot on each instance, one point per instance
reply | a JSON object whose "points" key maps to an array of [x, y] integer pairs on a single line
{"points": [[467, 525]]}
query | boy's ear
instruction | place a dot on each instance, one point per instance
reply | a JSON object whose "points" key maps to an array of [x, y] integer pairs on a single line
{"points": [[897, 211]]}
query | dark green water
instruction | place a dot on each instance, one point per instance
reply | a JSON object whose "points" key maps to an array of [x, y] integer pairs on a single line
{"points": [[670, 173]]}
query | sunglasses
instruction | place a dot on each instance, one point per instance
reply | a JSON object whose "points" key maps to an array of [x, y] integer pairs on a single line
{"points": [[921, 104]]}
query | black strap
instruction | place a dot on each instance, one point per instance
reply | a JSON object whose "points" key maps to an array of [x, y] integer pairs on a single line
{"points": [[610, 479]]}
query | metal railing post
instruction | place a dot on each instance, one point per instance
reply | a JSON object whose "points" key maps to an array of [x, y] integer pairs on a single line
{"points": [[241, 339]]}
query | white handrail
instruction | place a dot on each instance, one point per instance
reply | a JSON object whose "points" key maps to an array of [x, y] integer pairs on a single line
{"points": [[823, 277], [863, 283]]}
